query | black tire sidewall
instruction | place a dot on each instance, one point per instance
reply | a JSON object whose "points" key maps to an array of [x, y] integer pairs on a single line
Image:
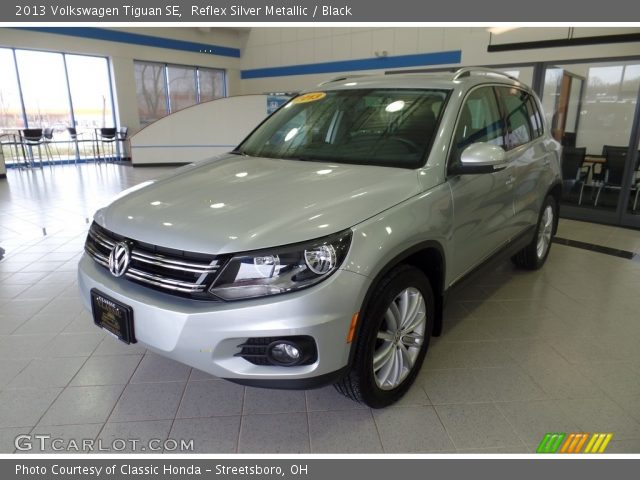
{"points": [[398, 280]]}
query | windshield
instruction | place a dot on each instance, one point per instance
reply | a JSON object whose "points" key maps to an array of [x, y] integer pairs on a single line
{"points": [[384, 127]]}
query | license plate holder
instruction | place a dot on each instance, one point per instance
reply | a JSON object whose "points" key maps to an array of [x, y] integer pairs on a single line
{"points": [[113, 316]]}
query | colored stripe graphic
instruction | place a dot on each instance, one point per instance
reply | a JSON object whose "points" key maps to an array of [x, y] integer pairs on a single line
{"points": [[574, 443], [550, 443], [598, 443]]}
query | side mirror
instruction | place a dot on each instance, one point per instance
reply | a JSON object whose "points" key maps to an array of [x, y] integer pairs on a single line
{"points": [[481, 158]]}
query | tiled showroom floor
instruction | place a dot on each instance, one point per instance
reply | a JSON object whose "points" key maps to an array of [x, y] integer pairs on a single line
{"points": [[522, 353]]}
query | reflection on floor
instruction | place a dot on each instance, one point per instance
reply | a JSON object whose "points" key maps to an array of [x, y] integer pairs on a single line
{"points": [[522, 353]]}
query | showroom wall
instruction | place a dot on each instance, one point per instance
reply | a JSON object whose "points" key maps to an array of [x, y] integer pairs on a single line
{"points": [[268, 47], [291, 46], [122, 56]]}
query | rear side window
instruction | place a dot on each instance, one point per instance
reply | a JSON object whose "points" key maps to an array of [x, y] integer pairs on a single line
{"points": [[520, 128], [479, 121]]}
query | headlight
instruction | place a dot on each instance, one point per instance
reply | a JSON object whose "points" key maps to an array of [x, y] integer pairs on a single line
{"points": [[281, 270]]}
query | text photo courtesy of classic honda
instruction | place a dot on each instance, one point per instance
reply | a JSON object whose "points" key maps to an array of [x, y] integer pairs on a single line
{"points": [[322, 249]]}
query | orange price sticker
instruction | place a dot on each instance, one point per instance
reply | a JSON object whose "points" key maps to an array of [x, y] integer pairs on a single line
{"points": [[309, 97]]}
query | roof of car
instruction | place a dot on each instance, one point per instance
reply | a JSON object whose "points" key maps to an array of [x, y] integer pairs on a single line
{"points": [[465, 78]]}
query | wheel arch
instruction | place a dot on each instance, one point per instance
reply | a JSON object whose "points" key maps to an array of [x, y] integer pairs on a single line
{"points": [[427, 256]]}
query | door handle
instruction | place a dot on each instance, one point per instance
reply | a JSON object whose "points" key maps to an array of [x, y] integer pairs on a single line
{"points": [[510, 180]]}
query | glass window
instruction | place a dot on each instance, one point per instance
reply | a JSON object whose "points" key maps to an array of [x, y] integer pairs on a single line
{"points": [[164, 89], [151, 90], [516, 113], [550, 94], [598, 101], [375, 127], [212, 84], [630, 83], [10, 108], [44, 89], [182, 87], [479, 121], [90, 91]]}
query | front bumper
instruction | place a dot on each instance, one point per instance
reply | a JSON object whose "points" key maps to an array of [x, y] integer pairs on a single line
{"points": [[206, 335]]}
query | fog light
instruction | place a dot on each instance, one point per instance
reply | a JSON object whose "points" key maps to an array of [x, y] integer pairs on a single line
{"points": [[285, 353], [289, 351]]}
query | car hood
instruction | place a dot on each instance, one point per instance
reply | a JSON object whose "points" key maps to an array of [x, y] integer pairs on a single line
{"points": [[236, 203]]}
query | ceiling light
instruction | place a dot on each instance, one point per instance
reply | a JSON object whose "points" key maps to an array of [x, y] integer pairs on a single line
{"points": [[501, 29]]}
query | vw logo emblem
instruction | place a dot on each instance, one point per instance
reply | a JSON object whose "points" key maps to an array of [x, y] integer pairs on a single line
{"points": [[119, 259]]}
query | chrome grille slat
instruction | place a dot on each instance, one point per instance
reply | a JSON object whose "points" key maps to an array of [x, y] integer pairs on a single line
{"points": [[97, 256], [177, 274], [101, 239], [162, 284], [157, 278], [175, 265]]}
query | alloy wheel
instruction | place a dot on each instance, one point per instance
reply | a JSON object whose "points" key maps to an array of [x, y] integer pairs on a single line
{"points": [[399, 339], [544, 232]]}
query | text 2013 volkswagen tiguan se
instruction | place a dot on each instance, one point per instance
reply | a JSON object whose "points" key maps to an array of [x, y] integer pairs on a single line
{"points": [[322, 248]]}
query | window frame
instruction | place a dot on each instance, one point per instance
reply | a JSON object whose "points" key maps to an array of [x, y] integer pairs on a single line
{"points": [[64, 54], [450, 161], [506, 116], [196, 78]]}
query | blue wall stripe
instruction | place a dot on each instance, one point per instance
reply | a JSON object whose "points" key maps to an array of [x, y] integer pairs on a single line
{"points": [[138, 39], [417, 60]]}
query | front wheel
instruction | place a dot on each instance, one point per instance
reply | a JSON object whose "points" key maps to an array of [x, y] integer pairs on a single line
{"points": [[393, 339], [535, 254]]}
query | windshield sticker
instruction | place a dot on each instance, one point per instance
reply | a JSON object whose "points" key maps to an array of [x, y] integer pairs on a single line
{"points": [[309, 97]]}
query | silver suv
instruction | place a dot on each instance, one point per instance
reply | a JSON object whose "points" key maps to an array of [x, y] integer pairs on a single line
{"points": [[322, 249]]}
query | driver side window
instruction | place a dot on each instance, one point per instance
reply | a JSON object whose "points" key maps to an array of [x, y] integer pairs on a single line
{"points": [[479, 121]]}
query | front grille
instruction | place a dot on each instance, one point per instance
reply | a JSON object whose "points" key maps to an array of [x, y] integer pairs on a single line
{"points": [[168, 270]]}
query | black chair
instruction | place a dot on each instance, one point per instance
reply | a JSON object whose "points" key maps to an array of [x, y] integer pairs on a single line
{"points": [[636, 182], [32, 137], [78, 138], [48, 140], [106, 139], [615, 149], [569, 139], [573, 170], [613, 169], [122, 137], [14, 144]]}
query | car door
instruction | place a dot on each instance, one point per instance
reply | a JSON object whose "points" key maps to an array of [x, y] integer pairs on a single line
{"points": [[483, 202], [527, 152]]}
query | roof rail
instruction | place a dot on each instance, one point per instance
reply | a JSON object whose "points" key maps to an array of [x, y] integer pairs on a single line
{"points": [[467, 71], [343, 77]]}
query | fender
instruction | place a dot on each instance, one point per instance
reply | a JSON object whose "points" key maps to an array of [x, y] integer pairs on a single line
{"points": [[438, 290]]}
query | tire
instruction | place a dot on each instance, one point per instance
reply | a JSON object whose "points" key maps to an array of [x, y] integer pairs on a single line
{"points": [[403, 288], [533, 256]]}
